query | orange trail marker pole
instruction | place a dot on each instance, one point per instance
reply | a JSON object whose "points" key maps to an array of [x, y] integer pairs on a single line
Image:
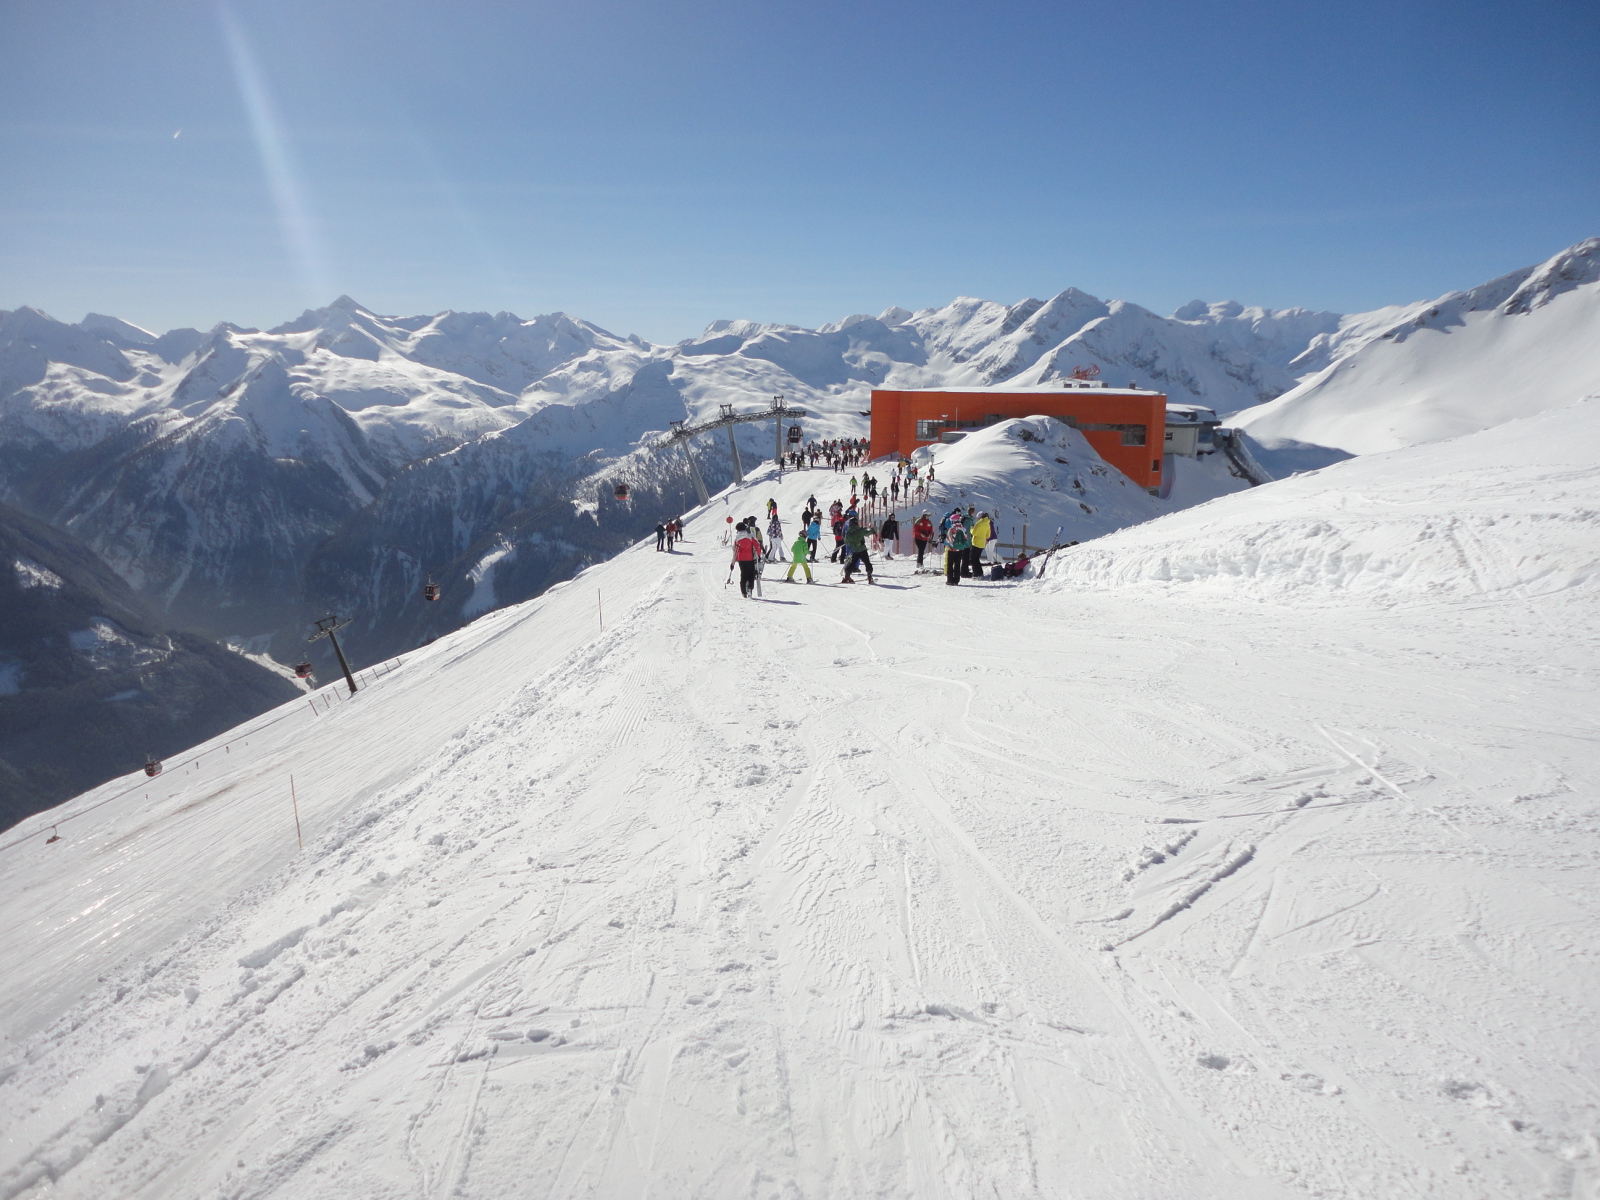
{"points": [[294, 800]]}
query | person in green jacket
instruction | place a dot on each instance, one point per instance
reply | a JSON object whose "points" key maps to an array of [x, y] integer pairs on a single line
{"points": [[799, 556], [855, 543], [955, 553]]}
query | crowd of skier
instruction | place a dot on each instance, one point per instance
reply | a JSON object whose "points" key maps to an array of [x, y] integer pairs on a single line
{"points": [[965, 538], [834, 453], [961, 544]]}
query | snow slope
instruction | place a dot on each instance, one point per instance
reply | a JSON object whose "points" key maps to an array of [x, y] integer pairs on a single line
{"points": [[1517, 345], [1084, 887], [1510, 513]]}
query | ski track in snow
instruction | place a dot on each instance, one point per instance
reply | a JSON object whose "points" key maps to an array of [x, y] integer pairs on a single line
{"points": [[979, 891]]}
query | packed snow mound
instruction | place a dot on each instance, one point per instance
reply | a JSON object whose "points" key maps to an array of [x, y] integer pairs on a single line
{"points": [[1039, 472], [1515, 346], [1512, 512]]}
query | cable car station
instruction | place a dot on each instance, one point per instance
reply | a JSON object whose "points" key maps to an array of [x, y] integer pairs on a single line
{"points": [[1126, 426]]}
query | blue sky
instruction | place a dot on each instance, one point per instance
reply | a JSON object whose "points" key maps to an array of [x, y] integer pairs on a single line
{"points": [[652, 167]]}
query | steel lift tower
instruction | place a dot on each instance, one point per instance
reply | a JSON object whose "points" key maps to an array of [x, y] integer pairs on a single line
{"points": [[777, 413]]}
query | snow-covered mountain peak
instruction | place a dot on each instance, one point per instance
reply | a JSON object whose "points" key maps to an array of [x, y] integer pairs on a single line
{"points": [[1523, 343], [31, 339], [114, 329], [1200, 310], [1573, 267], [845, 323], [335, 315]]}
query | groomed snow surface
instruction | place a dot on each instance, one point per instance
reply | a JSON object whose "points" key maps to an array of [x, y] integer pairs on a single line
{"points": [[1251, 852]]}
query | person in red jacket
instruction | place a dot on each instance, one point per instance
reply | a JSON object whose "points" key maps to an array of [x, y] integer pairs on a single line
{"points": [[747, 552], [922, 534]]}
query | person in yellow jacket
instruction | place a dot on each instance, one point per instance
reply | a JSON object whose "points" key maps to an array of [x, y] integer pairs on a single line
{"points": [[799, 556], [982, 533]]}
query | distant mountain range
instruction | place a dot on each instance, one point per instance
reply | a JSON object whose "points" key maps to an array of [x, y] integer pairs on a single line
{"points": [[242, 482]]}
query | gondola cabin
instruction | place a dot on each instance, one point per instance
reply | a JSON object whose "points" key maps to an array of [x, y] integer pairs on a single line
{"points": [[620, 491], [430, 590], [152, 765], [794, 435], [302, 670]]}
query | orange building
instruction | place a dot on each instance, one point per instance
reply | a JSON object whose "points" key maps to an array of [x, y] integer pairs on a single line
{"points": [[1126, 426]]}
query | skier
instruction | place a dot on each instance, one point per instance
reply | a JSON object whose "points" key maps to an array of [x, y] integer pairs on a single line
{"points": [[797, 557], [855, 540], [661, 535], [890, 533], [922, 534], [982, 532], [747, 551], [955, 554], [774, 535], [814, 531]]}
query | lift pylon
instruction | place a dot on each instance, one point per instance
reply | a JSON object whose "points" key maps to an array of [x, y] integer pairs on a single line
{"points": [[327, 628], [682, 433]]}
